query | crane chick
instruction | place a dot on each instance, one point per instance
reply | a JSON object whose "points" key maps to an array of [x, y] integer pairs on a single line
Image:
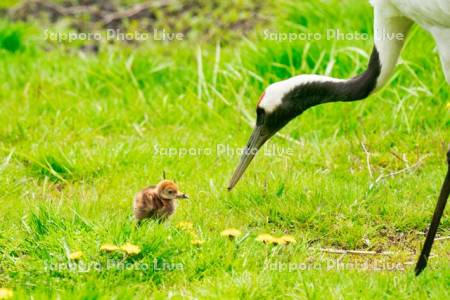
{"points": [[157, 202]]}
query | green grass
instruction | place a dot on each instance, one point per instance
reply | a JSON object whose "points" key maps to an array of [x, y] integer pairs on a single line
{"points": [[78, 139]]}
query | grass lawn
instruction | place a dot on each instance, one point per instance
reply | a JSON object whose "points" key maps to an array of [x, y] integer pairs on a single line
{"points": [[81, 132]]}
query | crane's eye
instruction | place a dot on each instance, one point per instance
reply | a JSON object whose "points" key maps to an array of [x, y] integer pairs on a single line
{"points": [[260, 116]]}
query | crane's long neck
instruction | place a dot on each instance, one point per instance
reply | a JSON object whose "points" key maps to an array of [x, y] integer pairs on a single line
{"points": [[390, 35], [358, 87], [301, 92]]}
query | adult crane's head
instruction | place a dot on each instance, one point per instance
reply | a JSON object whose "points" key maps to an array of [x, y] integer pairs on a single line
{"points": [[280, 103], [283, 101]]}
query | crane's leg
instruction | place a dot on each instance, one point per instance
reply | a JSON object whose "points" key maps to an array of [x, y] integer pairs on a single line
{"points": [[438, 211]]}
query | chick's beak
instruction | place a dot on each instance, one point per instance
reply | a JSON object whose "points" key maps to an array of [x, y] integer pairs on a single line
{"points": [[182, 196], [257, 139]]}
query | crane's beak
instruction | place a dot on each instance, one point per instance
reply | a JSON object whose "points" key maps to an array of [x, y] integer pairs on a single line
{"points": [[182, 196], [257, 139]]}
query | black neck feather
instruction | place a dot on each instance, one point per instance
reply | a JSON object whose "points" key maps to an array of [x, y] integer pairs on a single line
{"points": [[356, 88], [359, 87], [314, 93]]}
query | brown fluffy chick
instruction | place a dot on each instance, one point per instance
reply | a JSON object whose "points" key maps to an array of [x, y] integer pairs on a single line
{"points": [[157, 202]]}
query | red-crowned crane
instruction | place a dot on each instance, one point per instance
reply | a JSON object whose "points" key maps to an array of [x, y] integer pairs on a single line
{"points": [[283, 101]]}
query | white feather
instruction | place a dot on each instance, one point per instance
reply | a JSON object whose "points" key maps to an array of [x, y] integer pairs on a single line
{"points": [[442, 37], [395, 16], [426, 13], [274, 93]]}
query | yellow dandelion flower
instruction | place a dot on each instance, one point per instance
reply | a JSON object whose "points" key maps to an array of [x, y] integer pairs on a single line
{"points": [[231, 233], [266, 238], [448, 105], [188, 226], [288, 239], [130, 249], [197, 242], [193, 234], [77, 255], [109, 248], [6, 293], [279, 241]]}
